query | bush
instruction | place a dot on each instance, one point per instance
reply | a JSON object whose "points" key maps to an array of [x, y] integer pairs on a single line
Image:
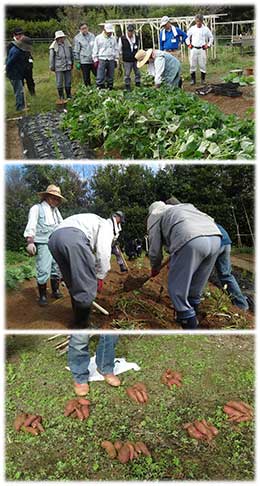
{"points": [[33, 28]]}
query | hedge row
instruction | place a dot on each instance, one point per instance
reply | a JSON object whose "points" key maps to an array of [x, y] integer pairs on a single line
{"points": [[34, 28]]}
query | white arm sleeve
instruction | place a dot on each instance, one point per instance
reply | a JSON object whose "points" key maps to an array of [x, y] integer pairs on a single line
{"points": [[103, 250], [95, 50], [159, 66], [30, 229]]}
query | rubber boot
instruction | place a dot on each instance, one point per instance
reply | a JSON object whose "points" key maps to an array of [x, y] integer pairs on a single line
{"points": [[180, 83], [42, 294], [138, 84], [193, 78], [56, 294], [127, 87], [188, 322], [203, 78], [68, 93], [123, 268], [60, 101], [81, 316]]}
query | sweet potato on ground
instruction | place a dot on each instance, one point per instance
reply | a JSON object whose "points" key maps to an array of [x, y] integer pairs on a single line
{"points": [[124, 454], [19, 421], [30, 430], [141, 447], [110, 449], [29, 420]]}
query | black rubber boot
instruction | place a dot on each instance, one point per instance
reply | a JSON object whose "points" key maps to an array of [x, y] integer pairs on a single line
{"points": [[127, 87], [61, 93], [123, 268], [193, 78], [42, 294], [180, 84], [81, 315], [68, 93], [138, 84], [203, 78], [56, 294], [188, 322]]}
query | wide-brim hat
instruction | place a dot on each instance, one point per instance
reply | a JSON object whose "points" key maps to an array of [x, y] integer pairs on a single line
{"points": [[109, 27], [164, 21], [142, 57], [25, 44], [59, 33], [53, 191]]}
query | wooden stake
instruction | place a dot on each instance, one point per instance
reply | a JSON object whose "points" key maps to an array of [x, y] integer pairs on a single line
{"points": [[101, 309], [53, 337]]}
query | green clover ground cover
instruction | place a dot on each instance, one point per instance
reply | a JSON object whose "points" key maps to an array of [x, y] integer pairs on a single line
{"points": [[215, 369], [157, 124]]}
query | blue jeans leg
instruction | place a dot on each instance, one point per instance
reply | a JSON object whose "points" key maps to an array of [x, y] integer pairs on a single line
{"points": [[105, 353], [224, 272], [79, 358], [19, 93]]}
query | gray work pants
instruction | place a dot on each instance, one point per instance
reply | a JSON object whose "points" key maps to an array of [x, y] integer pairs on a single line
{"points": [[190, 268], [128, 67], [105, 73], [63, 78], [70, 249]]}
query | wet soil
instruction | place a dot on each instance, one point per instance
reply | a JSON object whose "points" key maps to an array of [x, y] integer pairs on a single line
{"points": [[149, 307]]}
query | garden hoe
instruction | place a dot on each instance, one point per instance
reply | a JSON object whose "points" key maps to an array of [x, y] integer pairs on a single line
{"points": [[132, 283]]}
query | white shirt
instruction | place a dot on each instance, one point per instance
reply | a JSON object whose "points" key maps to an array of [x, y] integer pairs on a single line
{"points": [[156, 66], [99, 233], [52, 216], [105, 48], [199, 36]]}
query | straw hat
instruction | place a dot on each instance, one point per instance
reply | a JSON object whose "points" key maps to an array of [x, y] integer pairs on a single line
{"points": [[53, 191], [59, 33], [142, 57]]}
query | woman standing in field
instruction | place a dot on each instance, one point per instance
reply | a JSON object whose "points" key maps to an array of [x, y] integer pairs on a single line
{"points": [[43, 219], [61, 62]]}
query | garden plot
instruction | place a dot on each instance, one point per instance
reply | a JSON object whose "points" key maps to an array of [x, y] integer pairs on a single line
{"points": [[157, 124], [147, 307], [214, 369]]}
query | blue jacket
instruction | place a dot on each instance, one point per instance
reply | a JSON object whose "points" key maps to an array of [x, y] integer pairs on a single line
{"points": [[171, 42], [225, 240], [16, 63]]}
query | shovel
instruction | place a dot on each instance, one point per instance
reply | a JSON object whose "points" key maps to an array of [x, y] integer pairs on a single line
{"points": [[132, 283]]}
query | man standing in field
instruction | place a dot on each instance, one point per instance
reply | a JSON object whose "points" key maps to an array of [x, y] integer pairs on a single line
{"points": [[43, 219], [164, 67], [193, 241], [128, 47], [18, 34], [81, 245], [83, 50], [199, 39], [171, 37], [16, 65], [105, 56]]}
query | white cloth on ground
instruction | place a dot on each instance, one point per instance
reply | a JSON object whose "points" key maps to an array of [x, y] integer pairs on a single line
{"points": [[120, 366]]}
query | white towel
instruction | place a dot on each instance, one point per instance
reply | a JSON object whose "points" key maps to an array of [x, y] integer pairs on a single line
{"points": [[120, 366], [174, 31]]}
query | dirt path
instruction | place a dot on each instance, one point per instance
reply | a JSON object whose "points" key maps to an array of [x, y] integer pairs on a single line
{"points": [[13, 143], [144, 308]]}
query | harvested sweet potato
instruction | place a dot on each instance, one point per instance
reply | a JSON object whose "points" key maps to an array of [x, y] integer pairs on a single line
{"points": [[194, 433], [240, 406], [85, 411], [83, 401], [79, 413], [131, 450], [211, 427], [141, 447], [118, 444], [30, 418], [19, 421], [131, 393], [139, 396], [110, 449], [201, 427], [230, 410], [243, 418], [124, 454], [30, 430], [140, 386], [36, 424], [70, 407]]}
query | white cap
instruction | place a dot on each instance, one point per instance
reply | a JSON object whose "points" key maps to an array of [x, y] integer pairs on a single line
{"points": [[109, 28], [164, 21]]}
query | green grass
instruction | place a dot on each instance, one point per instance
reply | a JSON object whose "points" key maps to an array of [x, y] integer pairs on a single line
{"points": [[215, 369], [46, 93]]}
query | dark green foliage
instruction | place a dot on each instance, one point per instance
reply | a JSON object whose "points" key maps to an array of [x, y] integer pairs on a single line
{"points": [[157, 124]]}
